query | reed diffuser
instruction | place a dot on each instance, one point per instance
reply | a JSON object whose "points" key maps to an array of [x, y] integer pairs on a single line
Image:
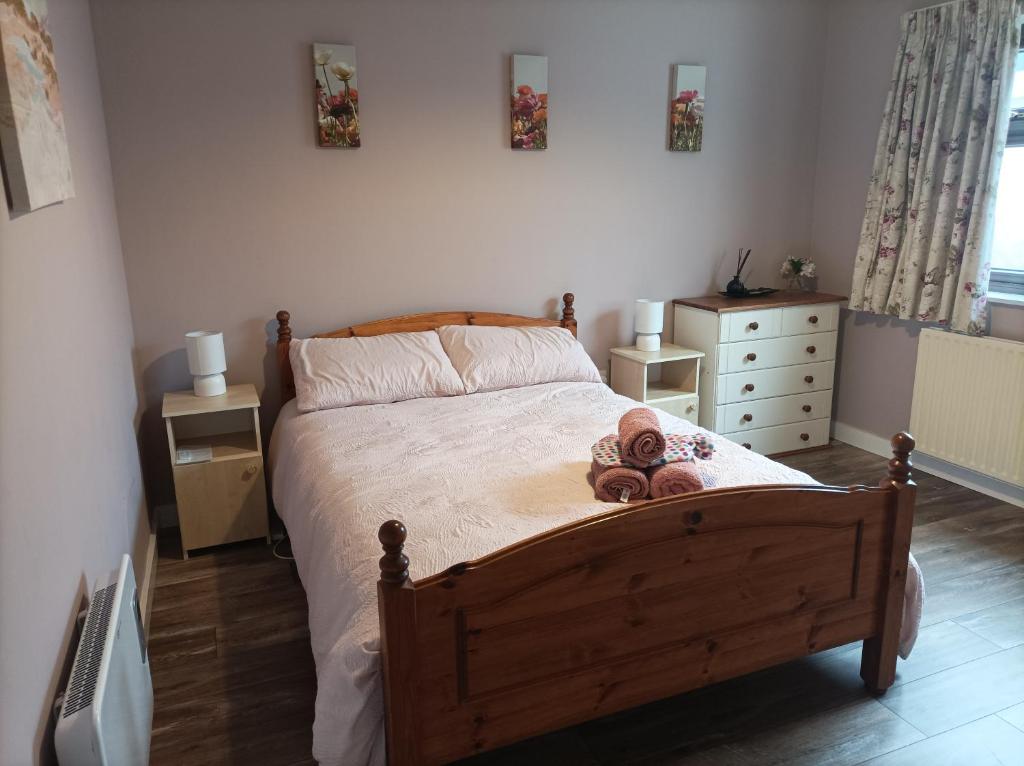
{"points": [[735, 286]]}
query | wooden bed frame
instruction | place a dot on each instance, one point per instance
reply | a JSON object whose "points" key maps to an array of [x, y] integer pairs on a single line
{"points": [[633, 605]]}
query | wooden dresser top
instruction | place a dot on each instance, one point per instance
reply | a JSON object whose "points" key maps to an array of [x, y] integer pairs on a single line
{"points": [[721, 304]]}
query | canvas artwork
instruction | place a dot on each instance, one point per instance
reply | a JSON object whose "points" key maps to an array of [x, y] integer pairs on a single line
{"points": [[337, 97], [37, 168], [686, 110], [529, 102]]}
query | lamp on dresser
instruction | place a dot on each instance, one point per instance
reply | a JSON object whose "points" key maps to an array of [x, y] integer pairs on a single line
{"points": [[770, 363]]}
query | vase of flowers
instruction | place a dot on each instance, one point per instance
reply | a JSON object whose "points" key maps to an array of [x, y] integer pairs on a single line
{"points": [[798, 272]]}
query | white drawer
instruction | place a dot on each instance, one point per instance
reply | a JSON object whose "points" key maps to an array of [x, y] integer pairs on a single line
{"points": [[772, 441], [797, 320], [779, 381], [751, 325], [684, 407], [776, 352], [748, 416]]}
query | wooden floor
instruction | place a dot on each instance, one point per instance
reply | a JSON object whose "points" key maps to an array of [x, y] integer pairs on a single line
{"points": [[234, 680]]}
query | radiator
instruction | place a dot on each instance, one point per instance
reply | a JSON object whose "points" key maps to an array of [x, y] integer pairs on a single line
{"points": [[107, 709], [968, 406]]}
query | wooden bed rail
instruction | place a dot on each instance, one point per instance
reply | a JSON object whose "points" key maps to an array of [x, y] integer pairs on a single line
{"points": [[636, 604], [412, 323]]}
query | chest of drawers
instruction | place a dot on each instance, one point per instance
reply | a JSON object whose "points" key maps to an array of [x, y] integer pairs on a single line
{"points": [[770, 363]]}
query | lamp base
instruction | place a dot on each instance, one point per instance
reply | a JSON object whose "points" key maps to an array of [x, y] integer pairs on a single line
{"points": [[648, 341], [209, 385]]}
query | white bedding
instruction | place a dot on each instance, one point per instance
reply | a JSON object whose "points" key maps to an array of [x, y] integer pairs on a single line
{"points": [[466, 475]]}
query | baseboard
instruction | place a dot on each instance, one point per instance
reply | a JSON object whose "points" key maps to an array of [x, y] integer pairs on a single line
{"points": [[148, 582], [965, 477]]}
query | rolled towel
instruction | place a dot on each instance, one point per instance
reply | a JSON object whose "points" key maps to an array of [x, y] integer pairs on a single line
{"points": [[640, 438], [609, 484], [674, 479]]}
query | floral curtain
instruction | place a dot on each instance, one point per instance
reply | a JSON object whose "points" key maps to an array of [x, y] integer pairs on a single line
{"points": [[923, 246]]}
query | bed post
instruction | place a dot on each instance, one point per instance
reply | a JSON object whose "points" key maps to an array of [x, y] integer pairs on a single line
{"points": [[396, 605], [569, 313], [878, 658], [284, 365]]}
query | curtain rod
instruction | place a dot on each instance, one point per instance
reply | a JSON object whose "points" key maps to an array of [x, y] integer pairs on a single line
{"points": [[930, 7]]}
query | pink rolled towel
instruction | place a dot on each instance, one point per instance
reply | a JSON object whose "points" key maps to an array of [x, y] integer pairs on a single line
{"points": [[674, 479], [640, 437], [610, 482]]}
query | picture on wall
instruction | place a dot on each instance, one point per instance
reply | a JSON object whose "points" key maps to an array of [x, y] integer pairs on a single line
{"points": [[686, 110], [529, 102], [36, 164], [337, 97]]}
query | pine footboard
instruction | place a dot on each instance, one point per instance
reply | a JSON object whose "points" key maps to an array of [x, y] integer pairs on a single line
{"points": [[637, 604]]}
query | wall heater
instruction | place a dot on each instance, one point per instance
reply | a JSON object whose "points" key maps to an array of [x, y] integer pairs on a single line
{"points": [[968, 406], [107, 710]]}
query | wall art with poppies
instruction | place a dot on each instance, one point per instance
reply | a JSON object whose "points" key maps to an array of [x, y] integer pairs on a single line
{"points": [[529, 102], [337, 97], [36, 164], [686, 109]]}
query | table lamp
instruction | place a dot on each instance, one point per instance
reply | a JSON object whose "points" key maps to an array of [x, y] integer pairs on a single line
{"points": [[206, 362], [648, 323]]}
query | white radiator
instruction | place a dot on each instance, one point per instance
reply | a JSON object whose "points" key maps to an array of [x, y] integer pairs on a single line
{"points": [[107, 711], [968, 406]]}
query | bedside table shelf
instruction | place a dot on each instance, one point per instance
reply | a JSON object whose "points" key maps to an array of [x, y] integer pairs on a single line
{"points": [[667, 378], [229, 446], [224, 499]]}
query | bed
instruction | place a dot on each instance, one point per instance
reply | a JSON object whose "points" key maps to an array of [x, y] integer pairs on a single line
{"points": [[509, 602]]}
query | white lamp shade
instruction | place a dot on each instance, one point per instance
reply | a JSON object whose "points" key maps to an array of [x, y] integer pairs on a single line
{"points": [[650, 316], [205, 352]]}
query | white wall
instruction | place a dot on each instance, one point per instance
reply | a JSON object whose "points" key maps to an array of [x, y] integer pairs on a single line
{"points": [[71, 497], [878, 355], [229, 211]]}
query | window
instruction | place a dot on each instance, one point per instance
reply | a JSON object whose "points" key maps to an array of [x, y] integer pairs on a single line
{"points": [[1008, 237]]}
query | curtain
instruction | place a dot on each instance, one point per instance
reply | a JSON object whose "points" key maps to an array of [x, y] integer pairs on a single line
{"points": [[923, 246]]}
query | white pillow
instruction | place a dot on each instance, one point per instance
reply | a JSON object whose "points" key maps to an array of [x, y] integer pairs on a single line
{"points": [[340, 372], [492, 358]]}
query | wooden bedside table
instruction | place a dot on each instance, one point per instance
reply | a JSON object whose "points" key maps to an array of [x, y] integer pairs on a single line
{"points": [[667, 378], [224, 498]]}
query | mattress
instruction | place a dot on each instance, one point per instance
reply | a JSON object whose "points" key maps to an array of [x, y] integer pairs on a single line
{"points": [[467, 475]]}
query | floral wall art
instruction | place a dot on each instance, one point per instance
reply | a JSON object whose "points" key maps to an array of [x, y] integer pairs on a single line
{"points": [[36, 164], [337, 97], [529, 102], [686, 110]]}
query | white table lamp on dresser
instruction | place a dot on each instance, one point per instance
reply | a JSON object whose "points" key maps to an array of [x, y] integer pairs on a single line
{"points": [[770, 362], [206, 362], [649, 322]]}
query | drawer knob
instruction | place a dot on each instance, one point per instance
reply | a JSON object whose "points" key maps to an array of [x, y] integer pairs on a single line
{"points": [[690, 407], [250, 469], [748, 387], [811, 349], [751, 356], [808, 378], [748, 417], [813, 319], [753, 325], [805, 437], [806, 408], [746, 444]]}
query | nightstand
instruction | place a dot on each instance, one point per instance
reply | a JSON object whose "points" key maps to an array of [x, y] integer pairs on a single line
{"points": [[217, 460], [667, 378]]}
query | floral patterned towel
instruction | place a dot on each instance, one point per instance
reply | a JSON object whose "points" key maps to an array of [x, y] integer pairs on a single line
{"points": [[678, 448]]}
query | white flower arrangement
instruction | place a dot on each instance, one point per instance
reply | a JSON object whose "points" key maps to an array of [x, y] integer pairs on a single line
{"points": [[793, 268]]}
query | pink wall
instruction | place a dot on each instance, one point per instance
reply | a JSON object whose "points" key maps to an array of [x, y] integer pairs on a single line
{"points": [[71, 500], [229, 212], [875, 381]]}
